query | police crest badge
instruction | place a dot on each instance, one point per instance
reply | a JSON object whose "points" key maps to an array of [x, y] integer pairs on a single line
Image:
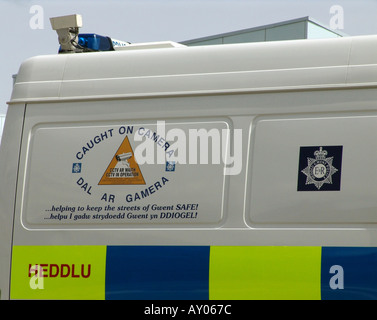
{"points": [[320, 168]]}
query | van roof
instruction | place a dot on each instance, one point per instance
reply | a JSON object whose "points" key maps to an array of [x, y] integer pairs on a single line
{"points": [[175, 71]]}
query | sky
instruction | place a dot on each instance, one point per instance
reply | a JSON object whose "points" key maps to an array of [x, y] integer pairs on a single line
{"points": [[26, 30]]}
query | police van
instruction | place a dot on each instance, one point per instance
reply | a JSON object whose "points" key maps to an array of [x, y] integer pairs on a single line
{"points": [[160, 171]]}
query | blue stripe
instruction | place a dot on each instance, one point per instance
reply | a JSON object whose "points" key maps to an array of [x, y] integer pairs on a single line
{"points": [[157, 272], [354, 274]]}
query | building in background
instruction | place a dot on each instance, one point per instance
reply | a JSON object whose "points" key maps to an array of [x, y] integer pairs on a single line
{"points": [[302, 28]]}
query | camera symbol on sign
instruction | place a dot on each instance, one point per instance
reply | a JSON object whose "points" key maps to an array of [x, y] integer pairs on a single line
{"points": [[124, 157]]}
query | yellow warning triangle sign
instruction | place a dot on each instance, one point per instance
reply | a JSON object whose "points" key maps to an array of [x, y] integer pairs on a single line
{"points": [[123, 168]]}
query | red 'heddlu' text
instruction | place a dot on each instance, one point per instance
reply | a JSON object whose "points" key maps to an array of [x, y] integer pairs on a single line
{"points": [[59, 270]]}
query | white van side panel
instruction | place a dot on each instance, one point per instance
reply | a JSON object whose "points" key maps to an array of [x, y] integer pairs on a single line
{"points": [[239, 224], [332, 182], [9, 156]]}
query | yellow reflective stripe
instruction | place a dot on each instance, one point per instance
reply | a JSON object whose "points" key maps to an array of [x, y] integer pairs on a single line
{"points": [[265, 273], [69, 272]]}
